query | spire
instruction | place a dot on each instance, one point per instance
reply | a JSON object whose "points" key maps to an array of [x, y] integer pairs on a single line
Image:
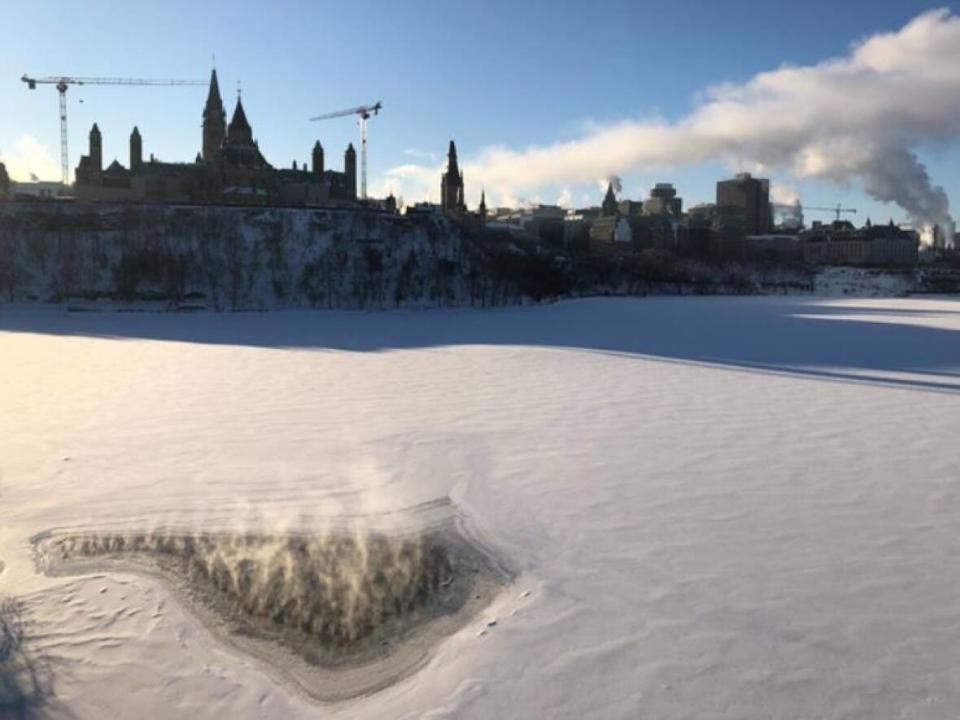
{"points": [[214, 120], [452, 159], [239, 131], [214, 103], [483, 202], [239, 119], [94, 130]]}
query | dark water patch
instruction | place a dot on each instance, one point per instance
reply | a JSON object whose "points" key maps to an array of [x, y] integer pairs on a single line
{"points": [[314, 606]]}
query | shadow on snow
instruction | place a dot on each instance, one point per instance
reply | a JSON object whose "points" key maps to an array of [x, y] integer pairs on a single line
{"points": [[837, 341], [25, 679]]}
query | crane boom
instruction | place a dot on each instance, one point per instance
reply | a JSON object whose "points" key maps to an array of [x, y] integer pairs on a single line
{"points": [[32, 82], [798, 206], [365, 112], [62, 82], [362, 110]]}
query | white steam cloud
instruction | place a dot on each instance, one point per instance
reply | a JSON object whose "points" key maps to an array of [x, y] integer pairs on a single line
{"points": [[858, 118], [28, 156]]}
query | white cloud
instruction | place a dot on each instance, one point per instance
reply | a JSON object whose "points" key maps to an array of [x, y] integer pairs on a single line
{"points": [[421, 154], [565, 199], [27, 156], [414, 182], [855, 118]]}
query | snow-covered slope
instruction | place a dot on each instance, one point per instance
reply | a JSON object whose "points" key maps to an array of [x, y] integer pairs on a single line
{"points": [[715, 507], [192, 258], [237, 258]]}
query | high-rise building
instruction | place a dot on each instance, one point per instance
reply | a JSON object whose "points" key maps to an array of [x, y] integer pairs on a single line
{"points": [[663, 200], [748, 197]]}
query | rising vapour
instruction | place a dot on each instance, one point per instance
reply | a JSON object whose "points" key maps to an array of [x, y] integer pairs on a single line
{"points": [[857, 118]]}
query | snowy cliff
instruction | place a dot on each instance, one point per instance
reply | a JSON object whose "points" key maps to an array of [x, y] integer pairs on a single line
{"points": [[229, 258], [234, 258]]}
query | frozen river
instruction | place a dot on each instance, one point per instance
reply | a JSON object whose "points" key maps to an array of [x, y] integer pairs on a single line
{"points": [[712, 507]]}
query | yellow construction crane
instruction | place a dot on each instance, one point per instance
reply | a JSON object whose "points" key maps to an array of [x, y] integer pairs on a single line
{"points": [[365, 112], [62, 82]]}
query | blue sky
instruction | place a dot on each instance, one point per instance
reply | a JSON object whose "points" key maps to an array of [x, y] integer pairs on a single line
{"points": [[490, 73]]}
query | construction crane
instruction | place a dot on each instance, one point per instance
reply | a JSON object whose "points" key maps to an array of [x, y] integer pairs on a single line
{"points": [[802, 208], [62, 82], [837, 210], [797, 207], [365, 112]]}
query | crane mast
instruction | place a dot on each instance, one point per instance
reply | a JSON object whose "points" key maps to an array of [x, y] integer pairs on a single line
{"points": [[364, 113], [62, 82]]}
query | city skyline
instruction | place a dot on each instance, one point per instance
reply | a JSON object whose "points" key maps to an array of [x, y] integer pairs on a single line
{"points": [[506, 126]]}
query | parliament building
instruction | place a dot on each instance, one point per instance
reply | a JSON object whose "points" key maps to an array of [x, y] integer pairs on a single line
{"points": [[228, 169]]}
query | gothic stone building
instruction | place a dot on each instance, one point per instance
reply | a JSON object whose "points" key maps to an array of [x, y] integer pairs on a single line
{"points": [[451, 184], [229, 168]]}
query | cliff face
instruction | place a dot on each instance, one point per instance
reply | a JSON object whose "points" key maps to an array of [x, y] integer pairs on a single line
{"points": [[228, 258], [232, 258]]}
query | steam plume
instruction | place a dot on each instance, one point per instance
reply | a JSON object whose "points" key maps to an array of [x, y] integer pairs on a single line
{"points": [[857, 118]]}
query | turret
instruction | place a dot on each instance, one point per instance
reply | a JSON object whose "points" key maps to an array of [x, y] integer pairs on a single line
{"points": [[318, 158], [136, 150], [96, 149], [214, 120], [350, 170]]}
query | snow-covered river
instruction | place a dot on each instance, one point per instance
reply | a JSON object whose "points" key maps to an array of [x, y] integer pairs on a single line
{"points": [[715, 507]]}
